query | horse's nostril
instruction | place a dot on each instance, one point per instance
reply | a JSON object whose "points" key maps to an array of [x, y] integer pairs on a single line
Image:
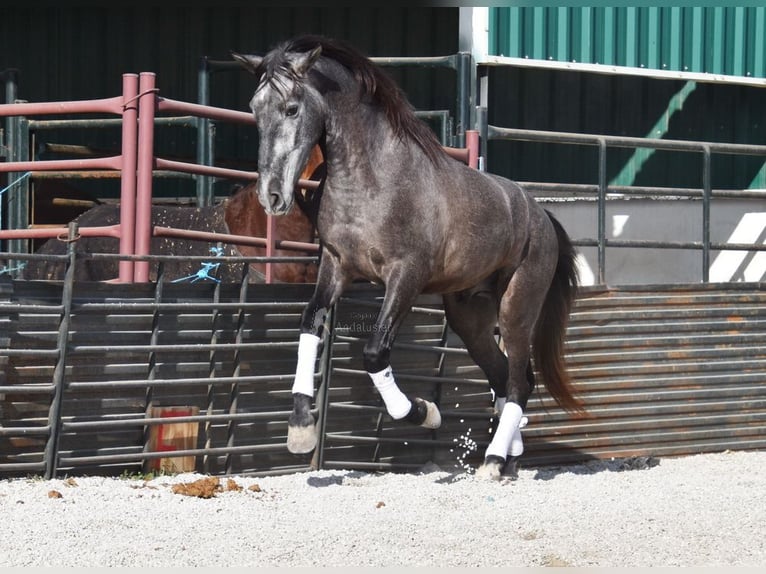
{"points": [[275, 200]]}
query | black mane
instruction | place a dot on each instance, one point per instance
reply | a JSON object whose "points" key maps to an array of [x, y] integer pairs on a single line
{"points": [[373, 81]]}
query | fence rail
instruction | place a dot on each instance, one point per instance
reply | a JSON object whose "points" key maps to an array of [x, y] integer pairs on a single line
{"points": [[602, 190]]}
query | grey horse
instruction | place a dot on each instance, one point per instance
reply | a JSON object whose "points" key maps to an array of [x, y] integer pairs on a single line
{"points": [[398, 211]]}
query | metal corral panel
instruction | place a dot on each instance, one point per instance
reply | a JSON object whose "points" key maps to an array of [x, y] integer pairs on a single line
{"points": [[716, 40], [666, 370], [227, 350]]}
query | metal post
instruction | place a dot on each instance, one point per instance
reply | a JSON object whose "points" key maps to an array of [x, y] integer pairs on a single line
{"points": [[145, 164], [128, 174], [205, 131], [323, 400], [472, 143], [707, 193], [602, 189], [270, 246], [465, 96], [59, 371], [17, 201], [482, 125]]}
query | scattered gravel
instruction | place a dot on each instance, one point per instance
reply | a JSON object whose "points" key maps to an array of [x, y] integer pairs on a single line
{"points": [[702, 510]]}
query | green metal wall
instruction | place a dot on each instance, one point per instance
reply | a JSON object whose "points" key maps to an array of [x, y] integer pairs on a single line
{"points": [[718, 40]]}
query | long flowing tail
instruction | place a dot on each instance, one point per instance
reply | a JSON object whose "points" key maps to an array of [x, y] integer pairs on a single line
{"points": [[550, 331]]}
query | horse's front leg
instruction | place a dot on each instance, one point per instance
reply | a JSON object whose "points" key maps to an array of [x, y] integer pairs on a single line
{"points": [[401, 292], [301, 430]]}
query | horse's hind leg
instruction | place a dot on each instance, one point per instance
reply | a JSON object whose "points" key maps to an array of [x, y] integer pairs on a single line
{"points": [[520, 307], [473, 317]]}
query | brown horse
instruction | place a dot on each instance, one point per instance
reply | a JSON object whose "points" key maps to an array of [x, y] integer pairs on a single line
{"points": [[239, 214], [246, 216]]}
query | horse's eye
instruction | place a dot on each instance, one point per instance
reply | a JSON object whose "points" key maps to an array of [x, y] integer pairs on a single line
{"points": [[291, 110]]}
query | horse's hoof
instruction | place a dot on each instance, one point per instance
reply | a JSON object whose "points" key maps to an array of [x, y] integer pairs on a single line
{"points": [[301, 440], [491, 469], [425, 413], [511, 469]]}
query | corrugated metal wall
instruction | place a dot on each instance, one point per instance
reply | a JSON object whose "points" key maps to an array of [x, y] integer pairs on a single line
{"points": [[718, 40]]}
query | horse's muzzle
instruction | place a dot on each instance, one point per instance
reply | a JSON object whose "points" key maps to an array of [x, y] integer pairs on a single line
{"points": [[275, 202]]}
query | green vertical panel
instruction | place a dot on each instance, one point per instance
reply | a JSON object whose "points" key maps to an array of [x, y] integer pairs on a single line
{"points": [[675, 39], [738, 43], [758, 38], [562, 49], [717, 39], [696, 39], [538, 34], [652, 47], [586, 36], [631, 36], [608, 35]]}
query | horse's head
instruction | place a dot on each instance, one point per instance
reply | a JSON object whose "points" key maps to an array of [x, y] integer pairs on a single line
{"points": [[289, 113]]}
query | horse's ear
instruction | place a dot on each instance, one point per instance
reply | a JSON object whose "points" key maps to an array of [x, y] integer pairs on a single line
{"points": [[248, 61], [305, 60]]}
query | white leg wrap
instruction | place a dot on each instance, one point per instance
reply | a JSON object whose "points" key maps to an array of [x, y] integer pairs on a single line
{"points": [[304, 372], [502, 442], [397, 404], [517, 443], [499, 404]]}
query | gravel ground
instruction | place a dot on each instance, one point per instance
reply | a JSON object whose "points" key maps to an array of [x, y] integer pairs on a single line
{"points": [[702, 510]]}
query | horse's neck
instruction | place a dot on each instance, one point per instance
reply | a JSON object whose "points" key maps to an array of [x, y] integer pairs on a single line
{"points": [[358, 146]]}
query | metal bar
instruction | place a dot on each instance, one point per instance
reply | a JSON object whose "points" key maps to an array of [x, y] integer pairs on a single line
{"points": [[41, 125], [270, 246], [59, 371], [706, 188], [144, 383], [202, 111], [602, 189], [495, 132], [179, 348], [153, 421], [424, 62], [212, 365], [144, 164], [237, 371], [472, 144], [204, 136], [17, 199], [323, 393], [237, 239], [144, 456], [61, 232], [106, 105], [128, 175]]}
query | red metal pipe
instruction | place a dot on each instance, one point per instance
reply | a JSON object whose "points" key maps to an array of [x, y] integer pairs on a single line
{"points": [[234, 239], [108, 105], [128, 175], [62, 164], [145, 159], [458, 153], [210, 112], [224, 172], [472, 143], [48, 232]]}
